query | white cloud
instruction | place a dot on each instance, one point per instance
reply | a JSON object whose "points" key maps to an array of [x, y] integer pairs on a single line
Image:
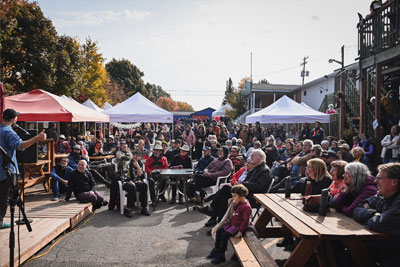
{"points": [[95, 18]]}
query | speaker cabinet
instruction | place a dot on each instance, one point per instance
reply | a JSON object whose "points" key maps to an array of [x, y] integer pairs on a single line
{"points": [[29, 155]]}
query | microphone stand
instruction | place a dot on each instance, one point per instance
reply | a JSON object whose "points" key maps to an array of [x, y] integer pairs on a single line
{"points": [[21, 222], [13, 199]]}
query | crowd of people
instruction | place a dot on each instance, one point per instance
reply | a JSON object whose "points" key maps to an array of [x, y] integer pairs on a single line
{"points": [[256, 159]]}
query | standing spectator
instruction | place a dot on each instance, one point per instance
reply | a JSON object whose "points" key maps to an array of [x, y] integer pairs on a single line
{"points": [[200, 139], [216, 128], [52, 132], [280, 133], [356, 141], [271, 151], [390, 145], [189, 137], [368, 147], [75, 131], [177, 134], [390, 110], [224, 135], [305, 133], [257, 131], [317, 134], [292, 134], [330, 109], [244, 134]]}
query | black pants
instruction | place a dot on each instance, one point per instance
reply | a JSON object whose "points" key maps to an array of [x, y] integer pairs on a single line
{"points": [[221, 240], [220, 201], [4, 186], [174, 186], [131, 197], [202, 181]]}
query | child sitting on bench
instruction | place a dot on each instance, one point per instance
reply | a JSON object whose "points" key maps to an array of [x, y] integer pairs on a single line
{"points": [[236, 227]]}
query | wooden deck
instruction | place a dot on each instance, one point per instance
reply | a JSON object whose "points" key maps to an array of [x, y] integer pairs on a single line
{"points": [[50, 219]]}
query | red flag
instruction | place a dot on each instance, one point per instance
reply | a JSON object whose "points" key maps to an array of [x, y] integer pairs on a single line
{"points": [[2, 101]]}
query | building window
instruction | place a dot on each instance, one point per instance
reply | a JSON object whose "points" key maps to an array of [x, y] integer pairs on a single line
{"points": [[305, 93]]}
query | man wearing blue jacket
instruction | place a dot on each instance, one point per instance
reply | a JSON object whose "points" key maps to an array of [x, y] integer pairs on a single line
{"points": [[381, 213], [204, 161], [59, 174]]}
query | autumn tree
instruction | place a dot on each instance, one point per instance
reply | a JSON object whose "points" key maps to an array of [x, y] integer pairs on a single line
{"points": [[115, 93], [94, 75], [183, 106], [243, 82], [167, 103]]}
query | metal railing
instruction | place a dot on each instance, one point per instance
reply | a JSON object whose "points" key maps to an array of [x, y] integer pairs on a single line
{"points": [[379, 30]]}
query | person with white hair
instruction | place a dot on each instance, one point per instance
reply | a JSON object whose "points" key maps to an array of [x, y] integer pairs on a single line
{"points": [[330, 109], [359, 185], [325, 145]]}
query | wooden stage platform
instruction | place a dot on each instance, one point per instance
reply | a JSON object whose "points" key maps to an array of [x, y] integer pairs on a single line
{"points": [[50, 219]]}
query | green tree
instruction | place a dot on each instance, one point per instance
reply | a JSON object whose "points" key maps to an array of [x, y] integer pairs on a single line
{"points": [[94, 74], [115, 93], [228, 91], [237, 102], [28, 41]]}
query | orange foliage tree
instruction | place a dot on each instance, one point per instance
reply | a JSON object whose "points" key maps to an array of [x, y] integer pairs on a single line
{"points": [[167, 103]]}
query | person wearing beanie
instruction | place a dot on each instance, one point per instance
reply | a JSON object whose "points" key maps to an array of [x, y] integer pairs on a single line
{"points": [[220, 166]]}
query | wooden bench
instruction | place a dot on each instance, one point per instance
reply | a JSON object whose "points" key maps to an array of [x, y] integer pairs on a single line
{"points": [[250, 252]]}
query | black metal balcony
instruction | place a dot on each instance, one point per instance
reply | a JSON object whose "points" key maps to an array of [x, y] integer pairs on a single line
{"points": [[379, 30]]}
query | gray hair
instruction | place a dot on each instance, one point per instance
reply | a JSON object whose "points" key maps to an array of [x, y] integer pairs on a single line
{"points": [[261, 154], [308, 142], [359, 173], [324, 142], [257, 143], [317, 149]]}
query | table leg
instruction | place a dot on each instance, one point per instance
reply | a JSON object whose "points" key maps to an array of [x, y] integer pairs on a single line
{"points": [[262, 221], [185, 192], [157, 178], [325, 255], [302, 252], [359, 252]]}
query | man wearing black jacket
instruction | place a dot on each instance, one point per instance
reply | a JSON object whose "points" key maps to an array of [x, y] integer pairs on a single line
{"points": [[180, 161], [81, 182], [256, 181]]}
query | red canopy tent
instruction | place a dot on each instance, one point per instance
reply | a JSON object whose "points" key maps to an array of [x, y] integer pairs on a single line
{"points": [[39, 105]]}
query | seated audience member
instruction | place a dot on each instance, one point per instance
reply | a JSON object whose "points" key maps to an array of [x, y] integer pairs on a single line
{"points": [[110, 145], [177, 150], [281, 170], [204, 161], [344, 153], [299, 162], [181, 161], [123, 158], [75, 156], [328, 157], [85, 153], [81, 182], [368, 147], [257, 180], [334, 147], [380, 213], [325, 145], [359, 185], [141, 147], [337, 173], [236, 158], [156, 162], [220, 166], [214, 148], [97, 149], [316, 151], [318, 175], [287, 153], [271, 151], [164, 145], [169, 153], [242, 148], [62, 146], [359, 156], [390, 146], [59, 174], [228, 144]]}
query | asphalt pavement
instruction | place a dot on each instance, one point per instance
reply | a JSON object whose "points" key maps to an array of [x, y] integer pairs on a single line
{"points": [[170, 236]]}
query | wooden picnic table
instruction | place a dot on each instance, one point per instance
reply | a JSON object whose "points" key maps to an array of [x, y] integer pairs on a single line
{"points": [[35, 174], [95, 158], [178, 173], [313, 230], [62, 155]]}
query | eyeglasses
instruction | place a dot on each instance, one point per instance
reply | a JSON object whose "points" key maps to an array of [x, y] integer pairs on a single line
{"points": [[378, 178]]}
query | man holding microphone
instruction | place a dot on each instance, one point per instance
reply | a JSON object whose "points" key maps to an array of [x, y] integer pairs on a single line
{"points": [[11, 142]]}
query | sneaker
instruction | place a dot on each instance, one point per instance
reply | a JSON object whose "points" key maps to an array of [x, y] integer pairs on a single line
{"points": [[5, 225], [128, 213], [145, 211], [205, 210], [172, 201], [220, 258], [181, 201], [211, 222], [105, 203], [55, 199], [162, 198], [212, 254]]}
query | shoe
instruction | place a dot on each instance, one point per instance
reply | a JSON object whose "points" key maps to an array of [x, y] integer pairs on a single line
{"points": [[208, 198], [220, 258], [181, 201], [5, 225], [211, 222], [205, 210], [111, 207], [282, 243], [105, 203], [197, 199], [128, 213], [145, 211], [212, 254], [55, 199], [162, 198], [172, 201]]}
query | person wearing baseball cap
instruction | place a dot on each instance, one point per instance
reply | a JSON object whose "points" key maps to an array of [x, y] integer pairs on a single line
{"points": [[344, 153], [204, 161], [62, 146], [380, 213], [10, 142]]}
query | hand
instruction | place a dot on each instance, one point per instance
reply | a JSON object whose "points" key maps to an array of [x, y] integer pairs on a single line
{"points": [[238, 235], [230, 201], [366, 206], [136, 164], [377, 214], [42, 136]]}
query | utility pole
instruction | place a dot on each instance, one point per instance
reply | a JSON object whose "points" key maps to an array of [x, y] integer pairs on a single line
{"points": [[304, 72], [252, 96]]}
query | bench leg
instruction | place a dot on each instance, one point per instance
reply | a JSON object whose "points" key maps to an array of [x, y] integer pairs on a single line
{"points": [[325, 255], [302, 252], [359, 252]]}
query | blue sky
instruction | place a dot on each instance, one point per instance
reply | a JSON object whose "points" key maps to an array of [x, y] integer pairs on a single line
{"points": [[191, 48]]}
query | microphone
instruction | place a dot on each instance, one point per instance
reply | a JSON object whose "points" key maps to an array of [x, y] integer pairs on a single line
{"points": [[22, 129]]}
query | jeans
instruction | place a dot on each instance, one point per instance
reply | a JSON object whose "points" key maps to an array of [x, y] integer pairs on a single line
{"points": [[4, 186], [388, 160], [93, 197]]}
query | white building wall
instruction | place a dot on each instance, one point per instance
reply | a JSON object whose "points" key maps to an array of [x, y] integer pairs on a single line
{"points": [[315, 93]]}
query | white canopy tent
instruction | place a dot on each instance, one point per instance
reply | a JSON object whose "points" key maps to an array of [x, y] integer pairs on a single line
{"points": [[286, 110], [221, 112], [137, 108], [107, 106], [90, 104]]}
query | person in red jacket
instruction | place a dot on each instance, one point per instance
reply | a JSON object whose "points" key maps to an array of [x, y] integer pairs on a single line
{"points": [[236, 227], [156, 162]]}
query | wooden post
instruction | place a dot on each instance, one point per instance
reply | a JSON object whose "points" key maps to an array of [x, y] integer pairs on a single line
{"points": [[378, 90], [342, 116], [363, 101]]}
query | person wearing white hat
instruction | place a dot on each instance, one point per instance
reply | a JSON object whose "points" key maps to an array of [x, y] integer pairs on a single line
{"points": [[156, 162], [183, 160], [62, 146]]}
